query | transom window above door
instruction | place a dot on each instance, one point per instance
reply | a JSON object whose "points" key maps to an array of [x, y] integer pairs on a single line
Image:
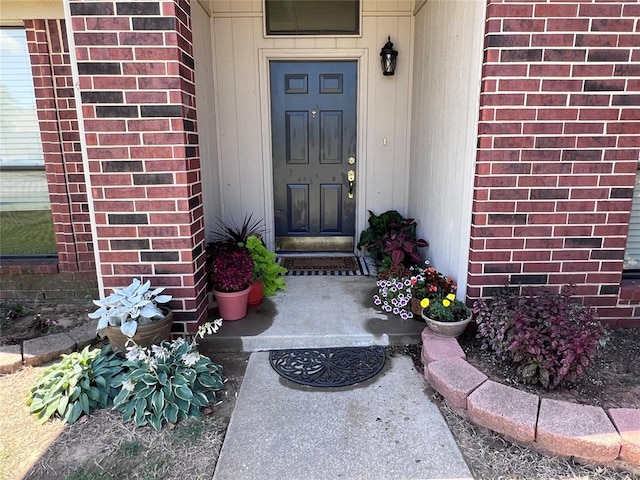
{"points": [[312, 17]]}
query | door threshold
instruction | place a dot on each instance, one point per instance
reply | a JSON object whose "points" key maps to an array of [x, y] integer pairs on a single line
{"points": [[315, 244]]}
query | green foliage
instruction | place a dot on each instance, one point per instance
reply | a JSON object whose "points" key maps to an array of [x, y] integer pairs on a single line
{"points": [[129, 307], [445, 308], [548, 337], [27, 232], [233, 234], [391, 239], [9, 313], [167, 383], [42, 324], [130, 449], [265, 267], [79, 383]]}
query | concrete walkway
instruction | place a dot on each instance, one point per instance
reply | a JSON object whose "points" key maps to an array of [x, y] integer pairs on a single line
{"points": [[385, 428]]}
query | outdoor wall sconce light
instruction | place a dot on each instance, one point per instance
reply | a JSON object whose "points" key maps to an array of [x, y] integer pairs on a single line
{"points": [[388, 58]]}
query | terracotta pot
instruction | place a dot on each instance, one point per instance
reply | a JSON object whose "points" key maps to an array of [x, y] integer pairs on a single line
{"points": [[232, 305], [146, 335], [446, 329], [256, 294], [416, 309]]}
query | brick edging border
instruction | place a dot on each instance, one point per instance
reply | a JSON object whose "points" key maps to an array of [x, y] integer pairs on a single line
{"points": [[44, 349], [560, 428]]}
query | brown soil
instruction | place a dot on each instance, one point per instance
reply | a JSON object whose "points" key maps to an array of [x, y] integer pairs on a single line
{"points": [[101, 447], [19, 321], [612, 381]]}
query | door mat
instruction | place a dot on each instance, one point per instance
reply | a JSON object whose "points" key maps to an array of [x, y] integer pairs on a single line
{"points": [[328, 367], [324, 265]]}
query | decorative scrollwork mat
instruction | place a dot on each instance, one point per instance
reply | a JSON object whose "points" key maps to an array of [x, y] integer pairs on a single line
{"points": [[328, 367]]}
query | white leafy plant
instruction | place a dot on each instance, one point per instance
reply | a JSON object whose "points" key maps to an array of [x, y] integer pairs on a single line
{"points": [[129, 307]]}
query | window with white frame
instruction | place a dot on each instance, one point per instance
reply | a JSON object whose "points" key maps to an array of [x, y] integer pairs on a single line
{"points": [[632, 253], [26, 227], [312, 17]]}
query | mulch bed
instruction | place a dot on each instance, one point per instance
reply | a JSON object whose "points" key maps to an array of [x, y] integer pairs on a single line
{"points": [[18, 321], [612, 381]]}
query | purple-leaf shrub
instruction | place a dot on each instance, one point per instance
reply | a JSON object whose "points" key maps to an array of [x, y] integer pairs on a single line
{"points": [[550, 339], [231, 270]]}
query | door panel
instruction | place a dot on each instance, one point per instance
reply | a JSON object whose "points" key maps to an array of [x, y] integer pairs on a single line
{"points": [[313, 116], [297, 138], [298, 211]]}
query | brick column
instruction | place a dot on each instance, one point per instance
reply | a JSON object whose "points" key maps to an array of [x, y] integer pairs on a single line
{"points": [[136, 76], [58, 121], [559, 142]]}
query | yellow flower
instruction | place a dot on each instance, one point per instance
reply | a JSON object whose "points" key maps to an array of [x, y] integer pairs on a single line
{"points": [[451, 297], [424, 303], [446, 302]]}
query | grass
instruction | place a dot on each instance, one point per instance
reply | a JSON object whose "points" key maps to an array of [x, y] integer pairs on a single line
{"points": [[22, 440], [27, 233]]}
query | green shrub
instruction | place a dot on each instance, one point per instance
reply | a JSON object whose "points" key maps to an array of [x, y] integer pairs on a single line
{"points": [[265, 267], [551, 339], [79, 383], [167, 383]]}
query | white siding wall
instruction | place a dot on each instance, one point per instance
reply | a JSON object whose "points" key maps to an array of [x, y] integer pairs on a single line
{"points": [[239, 45], [207, 134], [446, 85]]}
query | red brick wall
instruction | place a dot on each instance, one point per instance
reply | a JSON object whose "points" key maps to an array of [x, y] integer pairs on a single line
{"points": [[51, 68], [136, 74], [558, 149]]}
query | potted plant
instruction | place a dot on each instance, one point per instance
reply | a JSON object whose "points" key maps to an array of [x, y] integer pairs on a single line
{"points": [[231, 272], [430, 283], [391, 239], [134, 312], [266, 272], [394, 291], [233, 234], [445, 315]]}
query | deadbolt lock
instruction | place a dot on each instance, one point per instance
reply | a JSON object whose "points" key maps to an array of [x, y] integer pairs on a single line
{"points": [[351, 160]]}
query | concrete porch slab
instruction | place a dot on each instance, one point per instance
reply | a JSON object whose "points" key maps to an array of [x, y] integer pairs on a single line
{"points": [[316, 312]]}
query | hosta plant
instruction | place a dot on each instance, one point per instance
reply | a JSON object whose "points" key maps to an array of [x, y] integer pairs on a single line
{"points": [[167, 383], [551, 339], [78, 384], [127, 307]]}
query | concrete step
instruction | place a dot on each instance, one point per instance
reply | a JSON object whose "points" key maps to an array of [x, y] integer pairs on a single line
{"points": [[316, 312]]}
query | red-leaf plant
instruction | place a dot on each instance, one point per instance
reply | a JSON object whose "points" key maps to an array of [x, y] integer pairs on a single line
{"points": [[550, 339], [231, 270]]}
